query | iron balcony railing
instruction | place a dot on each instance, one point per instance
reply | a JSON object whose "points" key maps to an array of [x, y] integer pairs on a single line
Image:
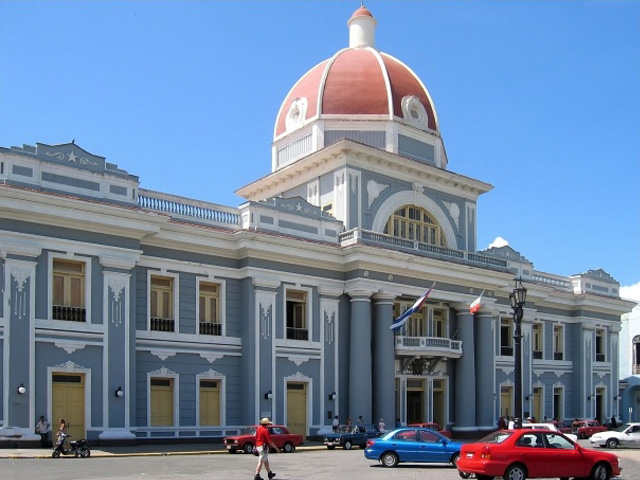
{"points": [[210, 328], [70, 314], [162, 324]]}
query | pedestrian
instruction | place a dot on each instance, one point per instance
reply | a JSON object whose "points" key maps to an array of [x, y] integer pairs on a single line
{"points": [[42, 428], [382, 426], [614, 423], [512, 423], [502, 424], [62, 430], [263, 442], [335, 424]]}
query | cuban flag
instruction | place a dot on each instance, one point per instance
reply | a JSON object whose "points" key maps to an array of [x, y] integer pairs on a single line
{"points": [[402, 319], [476, 304]]}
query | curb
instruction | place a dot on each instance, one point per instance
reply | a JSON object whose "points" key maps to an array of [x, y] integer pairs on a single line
{"points": [[101, 454]]}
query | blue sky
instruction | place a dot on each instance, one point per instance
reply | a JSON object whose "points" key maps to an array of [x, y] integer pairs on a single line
{"points": [[539, 98]]}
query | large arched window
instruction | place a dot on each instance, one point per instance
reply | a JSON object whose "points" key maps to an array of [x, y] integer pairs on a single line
{"points": [[415, 223]]}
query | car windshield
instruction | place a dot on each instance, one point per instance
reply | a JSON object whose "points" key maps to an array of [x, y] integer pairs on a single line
{"points": [[495, 437], [249, 431]]}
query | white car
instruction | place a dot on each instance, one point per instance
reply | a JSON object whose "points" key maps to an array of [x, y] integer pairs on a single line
{"points": [[625, 436], [550, 426]]}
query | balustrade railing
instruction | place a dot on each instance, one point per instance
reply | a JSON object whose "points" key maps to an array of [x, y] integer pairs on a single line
{"points": [[376, 238], [429, 343], [187, 208]]}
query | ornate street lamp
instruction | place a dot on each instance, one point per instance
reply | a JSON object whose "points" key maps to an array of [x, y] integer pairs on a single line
{"points": [[517, 298]]}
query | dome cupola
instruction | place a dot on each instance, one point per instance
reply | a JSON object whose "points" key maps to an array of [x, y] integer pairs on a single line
{"points": [[362, 94]]}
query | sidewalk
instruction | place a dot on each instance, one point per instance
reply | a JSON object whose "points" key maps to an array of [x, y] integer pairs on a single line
{"points": [[137, 450]]}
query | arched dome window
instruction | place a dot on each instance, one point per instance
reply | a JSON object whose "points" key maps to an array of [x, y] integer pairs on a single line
{"points": [[415, 223]]}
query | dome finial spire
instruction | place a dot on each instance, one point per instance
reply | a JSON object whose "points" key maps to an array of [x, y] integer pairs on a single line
{"points": [[362, 28]]}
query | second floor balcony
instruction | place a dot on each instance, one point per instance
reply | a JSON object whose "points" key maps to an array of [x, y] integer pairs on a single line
{"points": [[428, 346]]}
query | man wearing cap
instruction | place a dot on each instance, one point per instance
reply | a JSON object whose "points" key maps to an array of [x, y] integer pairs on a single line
{"points": [[263, 441]]}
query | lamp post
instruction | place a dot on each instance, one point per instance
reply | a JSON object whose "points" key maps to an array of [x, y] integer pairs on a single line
{"points": [[517, 298]]}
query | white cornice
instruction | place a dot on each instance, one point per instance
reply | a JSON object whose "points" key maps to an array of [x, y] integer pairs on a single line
{"points": [[353, 154], [75, 213]]}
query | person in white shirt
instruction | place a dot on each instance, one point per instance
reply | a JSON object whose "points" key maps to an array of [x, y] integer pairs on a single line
{"points": [[43, 428]]}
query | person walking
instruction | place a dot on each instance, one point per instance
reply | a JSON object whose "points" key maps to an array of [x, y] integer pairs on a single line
{"points": [[263, 442], [42, 428]]}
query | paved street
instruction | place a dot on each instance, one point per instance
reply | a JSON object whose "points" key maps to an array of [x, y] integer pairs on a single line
{"points": [[304, 464]]}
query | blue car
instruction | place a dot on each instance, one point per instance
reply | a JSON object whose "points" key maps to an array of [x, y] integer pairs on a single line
{"points": [[413, 445]]}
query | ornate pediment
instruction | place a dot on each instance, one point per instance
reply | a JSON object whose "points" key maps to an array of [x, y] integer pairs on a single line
{"points": [[600, 275], [507, 253]]}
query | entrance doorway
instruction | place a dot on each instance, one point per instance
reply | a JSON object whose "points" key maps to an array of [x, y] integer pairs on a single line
{"points": [[415, 401], [67, 401], [297, 408]]}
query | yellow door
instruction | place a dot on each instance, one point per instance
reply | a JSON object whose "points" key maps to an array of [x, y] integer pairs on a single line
{"points": [[297, 408], [537, 404], [68, 402], [161, 402], [209, 402], [506, 399], [438, 403]]}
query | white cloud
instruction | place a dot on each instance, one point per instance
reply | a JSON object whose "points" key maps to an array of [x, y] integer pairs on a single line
{"points": [[498, 242], [632, 292]]}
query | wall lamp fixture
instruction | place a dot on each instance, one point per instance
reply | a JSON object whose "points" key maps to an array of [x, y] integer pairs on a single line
{"points": [[333, 395], [22, 389], [119, 392], [590, 397], [617, 397], [268, 395]]}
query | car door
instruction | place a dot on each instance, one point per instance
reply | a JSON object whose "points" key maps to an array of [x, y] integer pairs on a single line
{"points": [[431, 448], [531, 450], [405, 445], [567, 460], [631, 437]]}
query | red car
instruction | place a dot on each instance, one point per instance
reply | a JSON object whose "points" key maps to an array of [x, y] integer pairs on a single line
{"points": [[562, 427], [285, 441], [431, 426], [520, 454], [586, 428]]}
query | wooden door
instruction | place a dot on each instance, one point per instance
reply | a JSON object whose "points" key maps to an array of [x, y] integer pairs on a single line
{"points": [[161, 402], [67, 402], [297, 408], [209, 402]]}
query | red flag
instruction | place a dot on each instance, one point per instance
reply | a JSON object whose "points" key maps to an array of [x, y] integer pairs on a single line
{"points": [[476, 304]]}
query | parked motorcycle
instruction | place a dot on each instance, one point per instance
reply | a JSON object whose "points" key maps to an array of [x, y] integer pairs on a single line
{"points": [[79, 448]]}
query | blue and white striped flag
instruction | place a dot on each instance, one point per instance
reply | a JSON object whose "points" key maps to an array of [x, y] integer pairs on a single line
{"points": [[402, 319]]}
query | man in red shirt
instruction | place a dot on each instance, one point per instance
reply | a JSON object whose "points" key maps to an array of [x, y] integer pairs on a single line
{"points": [[263, 441]]}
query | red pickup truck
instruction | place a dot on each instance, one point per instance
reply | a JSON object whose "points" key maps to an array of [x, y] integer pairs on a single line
{"points": [[284, 440], [586, 428]]}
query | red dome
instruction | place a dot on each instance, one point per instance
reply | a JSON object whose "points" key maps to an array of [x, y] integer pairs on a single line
{"points": [[357, 81]]}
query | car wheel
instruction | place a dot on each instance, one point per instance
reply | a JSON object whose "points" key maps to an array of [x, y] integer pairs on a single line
{"points": [[612, 443], [247, 447], [464, 474], [454, 460], [348, 445], [389, 459], [600, 472], [582, 435], [515, 472], [287, 448]]}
